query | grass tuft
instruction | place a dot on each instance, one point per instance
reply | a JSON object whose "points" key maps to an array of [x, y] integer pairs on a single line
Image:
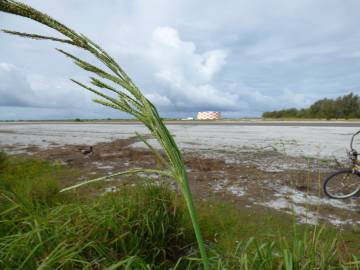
{"points": [[42, 229]]}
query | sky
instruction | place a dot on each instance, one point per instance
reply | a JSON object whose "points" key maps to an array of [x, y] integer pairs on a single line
{"points": [[239, 57]]}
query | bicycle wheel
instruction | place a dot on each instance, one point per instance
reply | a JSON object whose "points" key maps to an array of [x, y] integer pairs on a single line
{"points": [[342, 184]]}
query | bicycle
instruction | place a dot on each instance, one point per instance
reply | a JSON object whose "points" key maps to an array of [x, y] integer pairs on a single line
{"points": [[345, 183]]}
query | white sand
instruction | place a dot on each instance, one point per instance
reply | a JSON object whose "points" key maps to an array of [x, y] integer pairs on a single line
{"points": [[320, 142]]}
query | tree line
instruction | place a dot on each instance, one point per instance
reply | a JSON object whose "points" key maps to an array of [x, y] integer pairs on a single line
{"points": [[344, 107]]}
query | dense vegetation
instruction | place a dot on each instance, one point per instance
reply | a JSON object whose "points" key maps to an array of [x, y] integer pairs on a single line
{"points": [[345, 107], [145, 227]]}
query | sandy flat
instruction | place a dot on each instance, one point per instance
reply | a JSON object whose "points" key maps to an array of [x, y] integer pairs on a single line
{"points": [[296, 140]]}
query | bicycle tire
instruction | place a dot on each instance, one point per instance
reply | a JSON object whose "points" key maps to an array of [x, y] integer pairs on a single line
{"points": [[332, 177]]}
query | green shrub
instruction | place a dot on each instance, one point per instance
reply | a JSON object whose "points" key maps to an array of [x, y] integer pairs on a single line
{"points": [[343, 107]]}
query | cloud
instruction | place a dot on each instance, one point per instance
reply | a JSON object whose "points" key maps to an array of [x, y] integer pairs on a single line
{"points": [[20, 88], [6, 67], [170, 52], [188, 56], [159, 100], [25, 96], [14, 89], [212, 63], [185, 74]]}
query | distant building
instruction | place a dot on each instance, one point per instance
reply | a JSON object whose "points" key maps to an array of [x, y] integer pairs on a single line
{"points": [[188, 118], [208, 116]]}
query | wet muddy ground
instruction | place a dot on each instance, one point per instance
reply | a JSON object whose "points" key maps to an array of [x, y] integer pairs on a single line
{"points": [[258, 179]]}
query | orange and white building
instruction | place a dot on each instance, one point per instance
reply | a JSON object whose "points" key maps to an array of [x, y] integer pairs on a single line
{"points": [[208, 116]]}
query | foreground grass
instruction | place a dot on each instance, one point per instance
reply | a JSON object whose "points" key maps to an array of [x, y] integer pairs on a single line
{"points": [[42, 229], [247, 239], [145, 228]]}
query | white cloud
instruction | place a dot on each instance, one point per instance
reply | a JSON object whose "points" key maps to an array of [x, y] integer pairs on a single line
{"points": [[212, 63], [186, 94], [6, 67], [168, 37], [158, 99], [185, 73]]}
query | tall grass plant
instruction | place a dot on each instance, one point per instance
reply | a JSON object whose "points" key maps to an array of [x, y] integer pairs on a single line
{"points": [[116, 90]]}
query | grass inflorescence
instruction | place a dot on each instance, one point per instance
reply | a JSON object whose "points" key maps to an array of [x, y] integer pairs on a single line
{"points": [[115, 89]]}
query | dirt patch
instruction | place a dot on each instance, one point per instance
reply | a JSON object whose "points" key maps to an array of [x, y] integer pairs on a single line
{"points": [[247, 178], [7, 131], [22, 150]]}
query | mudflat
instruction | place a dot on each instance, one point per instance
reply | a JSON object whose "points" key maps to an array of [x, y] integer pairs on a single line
{"points": [[265, 168]]}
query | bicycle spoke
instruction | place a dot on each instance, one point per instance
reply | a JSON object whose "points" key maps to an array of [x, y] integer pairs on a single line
{"points": [[342, 184]]}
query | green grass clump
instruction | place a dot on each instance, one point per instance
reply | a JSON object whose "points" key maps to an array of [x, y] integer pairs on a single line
{"points": [[244, 238], [101, 233], [41, 229], [30, 181], [306, 253]]}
